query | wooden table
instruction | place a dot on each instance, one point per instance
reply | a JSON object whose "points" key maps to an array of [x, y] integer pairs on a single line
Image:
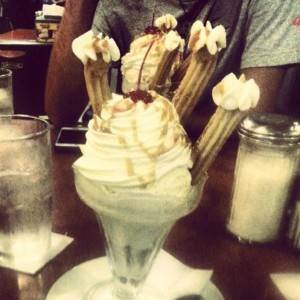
{"points": [[20, 37], [241, 271]]}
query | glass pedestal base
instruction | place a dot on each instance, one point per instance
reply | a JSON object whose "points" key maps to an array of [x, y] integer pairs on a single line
{"points": [[79, 281], [104, 291]]}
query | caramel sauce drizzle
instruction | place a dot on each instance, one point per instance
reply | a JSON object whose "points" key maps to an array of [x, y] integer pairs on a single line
{"points": [[146, 97], [166, 113]]}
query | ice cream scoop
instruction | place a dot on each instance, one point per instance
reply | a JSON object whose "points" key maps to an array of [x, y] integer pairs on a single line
{"points": [[136, 144]]}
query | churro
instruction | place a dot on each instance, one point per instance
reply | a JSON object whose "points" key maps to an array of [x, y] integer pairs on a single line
{"points": [[180, 72], [96, 54], [193, 84], [205, 43], [234, 97], [168, 61], [96, 74]]}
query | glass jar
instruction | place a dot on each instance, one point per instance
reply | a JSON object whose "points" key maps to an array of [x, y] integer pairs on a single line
{"points": [[266, 166]]}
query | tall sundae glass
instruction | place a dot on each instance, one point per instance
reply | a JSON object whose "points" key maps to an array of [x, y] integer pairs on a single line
{"points": [[134, 173], [134, 227]]}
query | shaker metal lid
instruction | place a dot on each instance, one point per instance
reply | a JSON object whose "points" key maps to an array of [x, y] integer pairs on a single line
{"points": [[271, 127]]}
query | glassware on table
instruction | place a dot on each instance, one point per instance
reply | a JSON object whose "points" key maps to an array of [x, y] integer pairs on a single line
{"points": [[25, 189], [6, 92], [134, 227], [266, 166]]}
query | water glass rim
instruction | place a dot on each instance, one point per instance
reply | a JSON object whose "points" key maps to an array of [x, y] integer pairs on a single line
{"points": [[42, 131], [4, 72]]}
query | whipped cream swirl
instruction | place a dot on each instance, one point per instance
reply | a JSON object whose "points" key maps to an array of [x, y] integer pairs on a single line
{"points": [[136, 144], [213, 38], [87, 46], [236, 93], [166, 22]]}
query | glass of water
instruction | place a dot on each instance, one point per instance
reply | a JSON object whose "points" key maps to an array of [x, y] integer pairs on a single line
{"points": [[6, 92], [25, 189]]}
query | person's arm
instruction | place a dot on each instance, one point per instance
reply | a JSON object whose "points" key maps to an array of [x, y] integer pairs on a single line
{"points": [[65, 95], [271, 47], [269, 80]]}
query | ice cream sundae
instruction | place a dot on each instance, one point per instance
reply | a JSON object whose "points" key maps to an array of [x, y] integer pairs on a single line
{"points": [[139, 171]]}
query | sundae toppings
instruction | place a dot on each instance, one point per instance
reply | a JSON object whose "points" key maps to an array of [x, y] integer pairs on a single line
{"points": [[139, 95], [96, 54], [205, 43], [234, 98], [136, 140], [136, 144], [166, 23], [152, 30], [155, 42], [214, 39]]}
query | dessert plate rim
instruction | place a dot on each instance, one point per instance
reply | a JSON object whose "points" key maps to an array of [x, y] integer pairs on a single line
{"points": [[75, 282]]}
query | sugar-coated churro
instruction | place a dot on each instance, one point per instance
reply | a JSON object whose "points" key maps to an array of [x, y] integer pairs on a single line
{"points": [[234, 98], [191, 87], [220, 127], [205, 43], [180, 72], [168, 61], [96, 53], [163, 70], [96, 74]]}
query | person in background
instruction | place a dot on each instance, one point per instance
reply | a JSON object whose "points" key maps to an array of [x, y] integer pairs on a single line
{"points": [[65, 95], [262, 42]]}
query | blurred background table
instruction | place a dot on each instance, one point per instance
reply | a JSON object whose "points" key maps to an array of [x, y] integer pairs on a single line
{"points": [[18, 37], [241, 271], [28, 59]]}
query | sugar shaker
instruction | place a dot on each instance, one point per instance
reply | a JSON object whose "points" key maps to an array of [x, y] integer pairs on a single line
{"points": [[266, 166]]}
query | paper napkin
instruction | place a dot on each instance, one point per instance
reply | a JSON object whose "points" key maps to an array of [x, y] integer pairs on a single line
{"points": [[58, 244], [174, 279], [53, 10], [294, 227], [288, 284]]}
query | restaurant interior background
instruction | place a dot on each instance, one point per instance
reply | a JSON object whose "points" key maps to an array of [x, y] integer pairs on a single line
{"points": [[241, 270], [30, 63], [28, 60]]}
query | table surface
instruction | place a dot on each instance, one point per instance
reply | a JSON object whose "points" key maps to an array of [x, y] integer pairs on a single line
{"points": [[241, 271], [21, 37]]}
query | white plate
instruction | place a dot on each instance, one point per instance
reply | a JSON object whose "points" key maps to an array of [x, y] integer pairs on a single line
{"points": [[74, 283]]}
